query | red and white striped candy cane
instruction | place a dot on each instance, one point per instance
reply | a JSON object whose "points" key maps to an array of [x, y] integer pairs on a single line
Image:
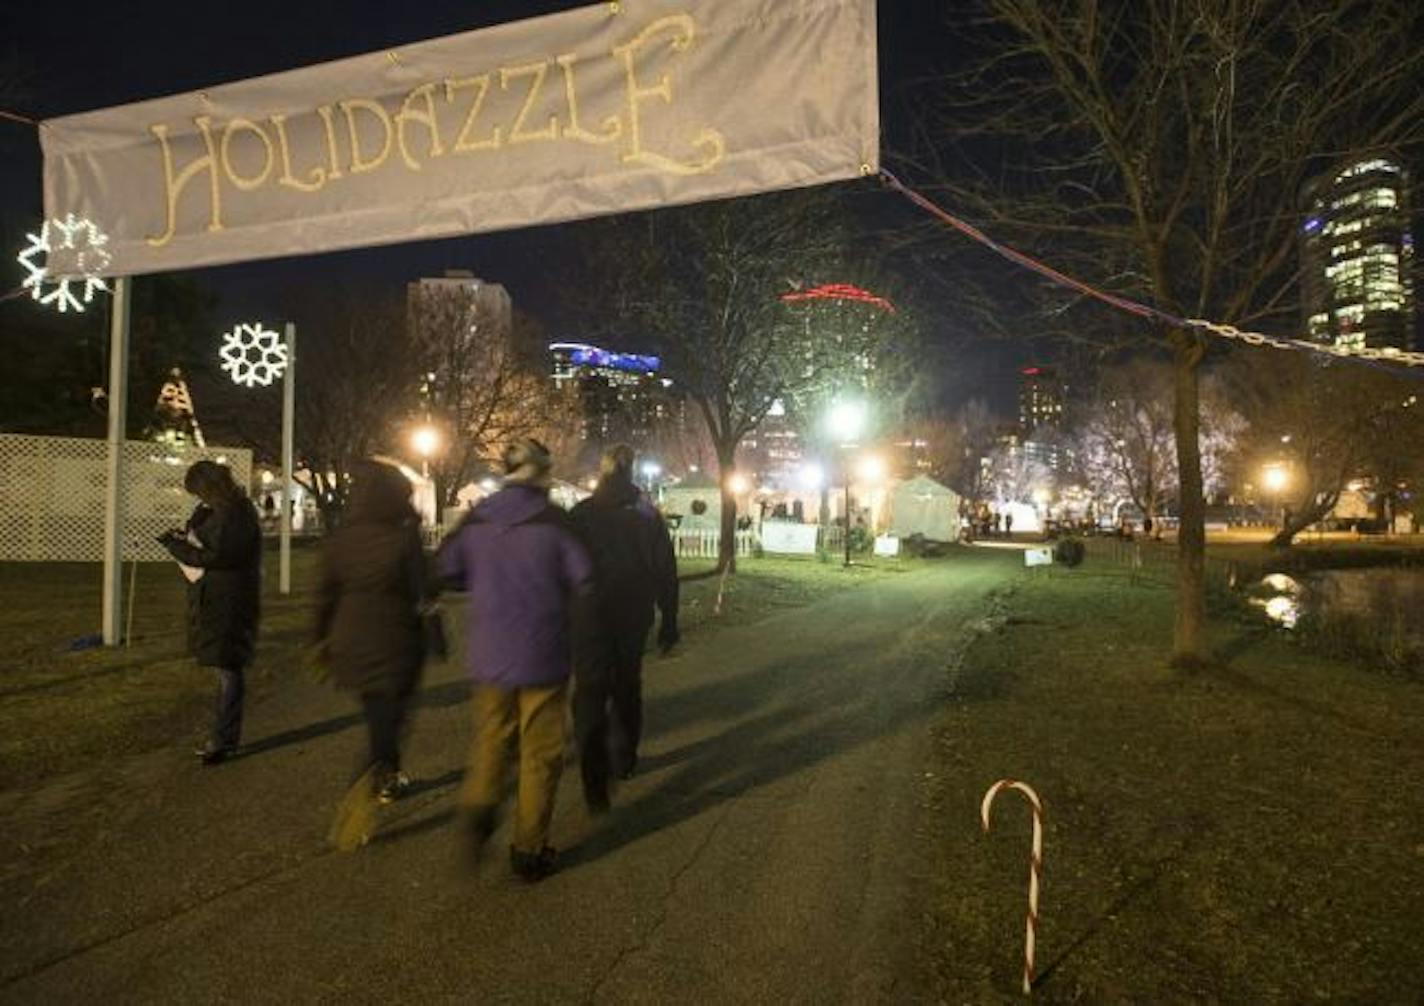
{"points": [[1035, 874]]}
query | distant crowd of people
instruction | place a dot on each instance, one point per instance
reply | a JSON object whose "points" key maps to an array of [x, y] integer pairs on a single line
{"points": [[555, 599]]}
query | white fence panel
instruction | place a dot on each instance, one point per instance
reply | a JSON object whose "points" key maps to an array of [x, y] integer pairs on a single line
{"points": [[702, 544], [52, 495]]}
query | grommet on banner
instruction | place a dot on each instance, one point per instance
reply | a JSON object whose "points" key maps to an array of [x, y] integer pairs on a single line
{"points": [[866, 169], [393, 57], [614, 6]]}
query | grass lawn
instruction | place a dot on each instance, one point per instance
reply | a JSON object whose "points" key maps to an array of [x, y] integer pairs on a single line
{"points": [[1252, 832], [61, 710]]}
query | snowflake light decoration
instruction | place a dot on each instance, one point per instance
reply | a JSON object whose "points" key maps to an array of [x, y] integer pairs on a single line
{"points": [[86, 242], [253, 355]]}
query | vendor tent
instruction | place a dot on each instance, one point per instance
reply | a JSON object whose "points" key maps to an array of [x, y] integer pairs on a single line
{"points": [[921, 506], [694, 504]]}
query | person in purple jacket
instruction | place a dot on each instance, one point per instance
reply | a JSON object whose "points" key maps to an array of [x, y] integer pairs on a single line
{"points": [[525, 571]]}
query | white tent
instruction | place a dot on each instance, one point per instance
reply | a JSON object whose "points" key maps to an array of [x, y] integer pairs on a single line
{"points": [[922, 506], [697, 501]]}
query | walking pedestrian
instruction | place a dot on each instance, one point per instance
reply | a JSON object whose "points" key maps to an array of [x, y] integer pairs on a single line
{"points": [[373, 590], [1008, 524], [634, 570], [221, 548], [525, 571]]}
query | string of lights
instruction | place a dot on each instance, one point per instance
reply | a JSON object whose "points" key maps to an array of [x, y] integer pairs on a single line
{"points": [[17, 117], [840, 292], [1362, 354]]}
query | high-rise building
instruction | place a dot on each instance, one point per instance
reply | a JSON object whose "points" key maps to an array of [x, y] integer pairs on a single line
{"points": [[622, 397], [1357, 258], [490, 300], [1040, 398]]}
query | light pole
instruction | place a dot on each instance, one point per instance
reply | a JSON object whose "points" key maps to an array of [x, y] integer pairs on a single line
{"points": [[1274, 477], [845, 422], [254, 355], [426, 441]]}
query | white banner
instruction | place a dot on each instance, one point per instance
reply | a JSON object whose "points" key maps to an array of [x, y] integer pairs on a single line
{"points": [[784, 538], [603, 109]]}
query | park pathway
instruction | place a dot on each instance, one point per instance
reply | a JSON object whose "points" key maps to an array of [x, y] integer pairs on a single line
{"points": [[767, 851]]}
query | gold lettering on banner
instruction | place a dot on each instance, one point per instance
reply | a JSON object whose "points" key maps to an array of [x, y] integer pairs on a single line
{"points": [[316, 176], [254, 182], [519, 134], [351, 107], [173, 187], [627, 91], [612, 125], [425, 117], [465, 142], [683, 30], [333, 170]]}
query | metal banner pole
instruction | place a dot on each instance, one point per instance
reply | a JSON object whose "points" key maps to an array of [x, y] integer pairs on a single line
{"points": [[289, 410], [115, 473]]}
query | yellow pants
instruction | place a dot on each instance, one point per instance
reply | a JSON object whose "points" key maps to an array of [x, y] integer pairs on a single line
{"points": [[535, 716]]}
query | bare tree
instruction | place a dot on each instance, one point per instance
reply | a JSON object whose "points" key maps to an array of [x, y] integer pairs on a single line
{"points": [[481, 383], [704, 284], [1327, 424], [355, 375], [957, 447], [1158, 148], [1012, 475], [1123, 436]]}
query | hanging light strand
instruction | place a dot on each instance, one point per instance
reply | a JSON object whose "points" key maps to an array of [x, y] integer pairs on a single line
{"points": [[1362, 354]]}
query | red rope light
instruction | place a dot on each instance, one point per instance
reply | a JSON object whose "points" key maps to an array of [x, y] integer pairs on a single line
{"points": [[840, 291]]}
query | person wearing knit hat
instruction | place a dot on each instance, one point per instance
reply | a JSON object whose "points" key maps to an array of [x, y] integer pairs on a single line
{"points": [[634, 572], [525, 571], [527, 462]]}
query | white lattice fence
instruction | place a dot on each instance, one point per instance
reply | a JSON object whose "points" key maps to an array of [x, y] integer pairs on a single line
{"points": [[52, 495]]}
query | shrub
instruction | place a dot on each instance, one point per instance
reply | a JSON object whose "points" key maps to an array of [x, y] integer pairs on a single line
{"points": [[1069, 551]]}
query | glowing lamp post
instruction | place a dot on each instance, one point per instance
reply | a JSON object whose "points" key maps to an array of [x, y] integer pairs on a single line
{"points": [[426, 441], [845, 423], [651, 470], [1275, 478]]}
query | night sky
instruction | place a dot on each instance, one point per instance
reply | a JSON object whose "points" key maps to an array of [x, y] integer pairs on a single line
{"points": [[94, 55]]}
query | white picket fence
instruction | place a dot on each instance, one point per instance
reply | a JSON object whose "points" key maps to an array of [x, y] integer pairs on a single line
{"points": [[702, 544]]}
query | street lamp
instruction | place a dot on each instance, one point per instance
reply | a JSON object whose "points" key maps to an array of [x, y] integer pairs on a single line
{"points": [[651, 470], [426, 441], [845, 422], [1275, 479]]}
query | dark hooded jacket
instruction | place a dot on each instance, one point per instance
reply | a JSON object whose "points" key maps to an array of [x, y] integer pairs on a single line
{"points": [[373, 586], [633, 562], [525, 571], [223, 604]]}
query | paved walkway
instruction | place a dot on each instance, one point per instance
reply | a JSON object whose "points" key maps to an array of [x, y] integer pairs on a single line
{"points": [[766, 852]]}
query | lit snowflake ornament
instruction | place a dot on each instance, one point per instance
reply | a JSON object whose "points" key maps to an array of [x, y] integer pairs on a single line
{"points": [[84, 243], [253, 355]]}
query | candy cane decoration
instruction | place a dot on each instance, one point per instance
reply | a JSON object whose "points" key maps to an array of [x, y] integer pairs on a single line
{"points": [[1035, 865]]}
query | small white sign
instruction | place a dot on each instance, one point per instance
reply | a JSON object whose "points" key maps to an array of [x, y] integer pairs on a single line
{"points": [[786, 538], [1038, 557], [887, 545]]}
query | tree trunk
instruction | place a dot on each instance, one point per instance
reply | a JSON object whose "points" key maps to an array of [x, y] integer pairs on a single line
{"points": [[1301, 517], [727, 538], [1188, 642]]}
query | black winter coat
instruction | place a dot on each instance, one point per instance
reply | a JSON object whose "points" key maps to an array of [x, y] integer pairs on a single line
{"points": [[633, 563], [225, 603], [372, 589]]}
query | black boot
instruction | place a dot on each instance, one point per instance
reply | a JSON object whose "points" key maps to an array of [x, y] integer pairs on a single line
{"points": [[532, 867]]}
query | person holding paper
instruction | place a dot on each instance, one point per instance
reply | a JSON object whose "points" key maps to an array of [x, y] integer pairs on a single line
{"points": [[220, 549]]}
